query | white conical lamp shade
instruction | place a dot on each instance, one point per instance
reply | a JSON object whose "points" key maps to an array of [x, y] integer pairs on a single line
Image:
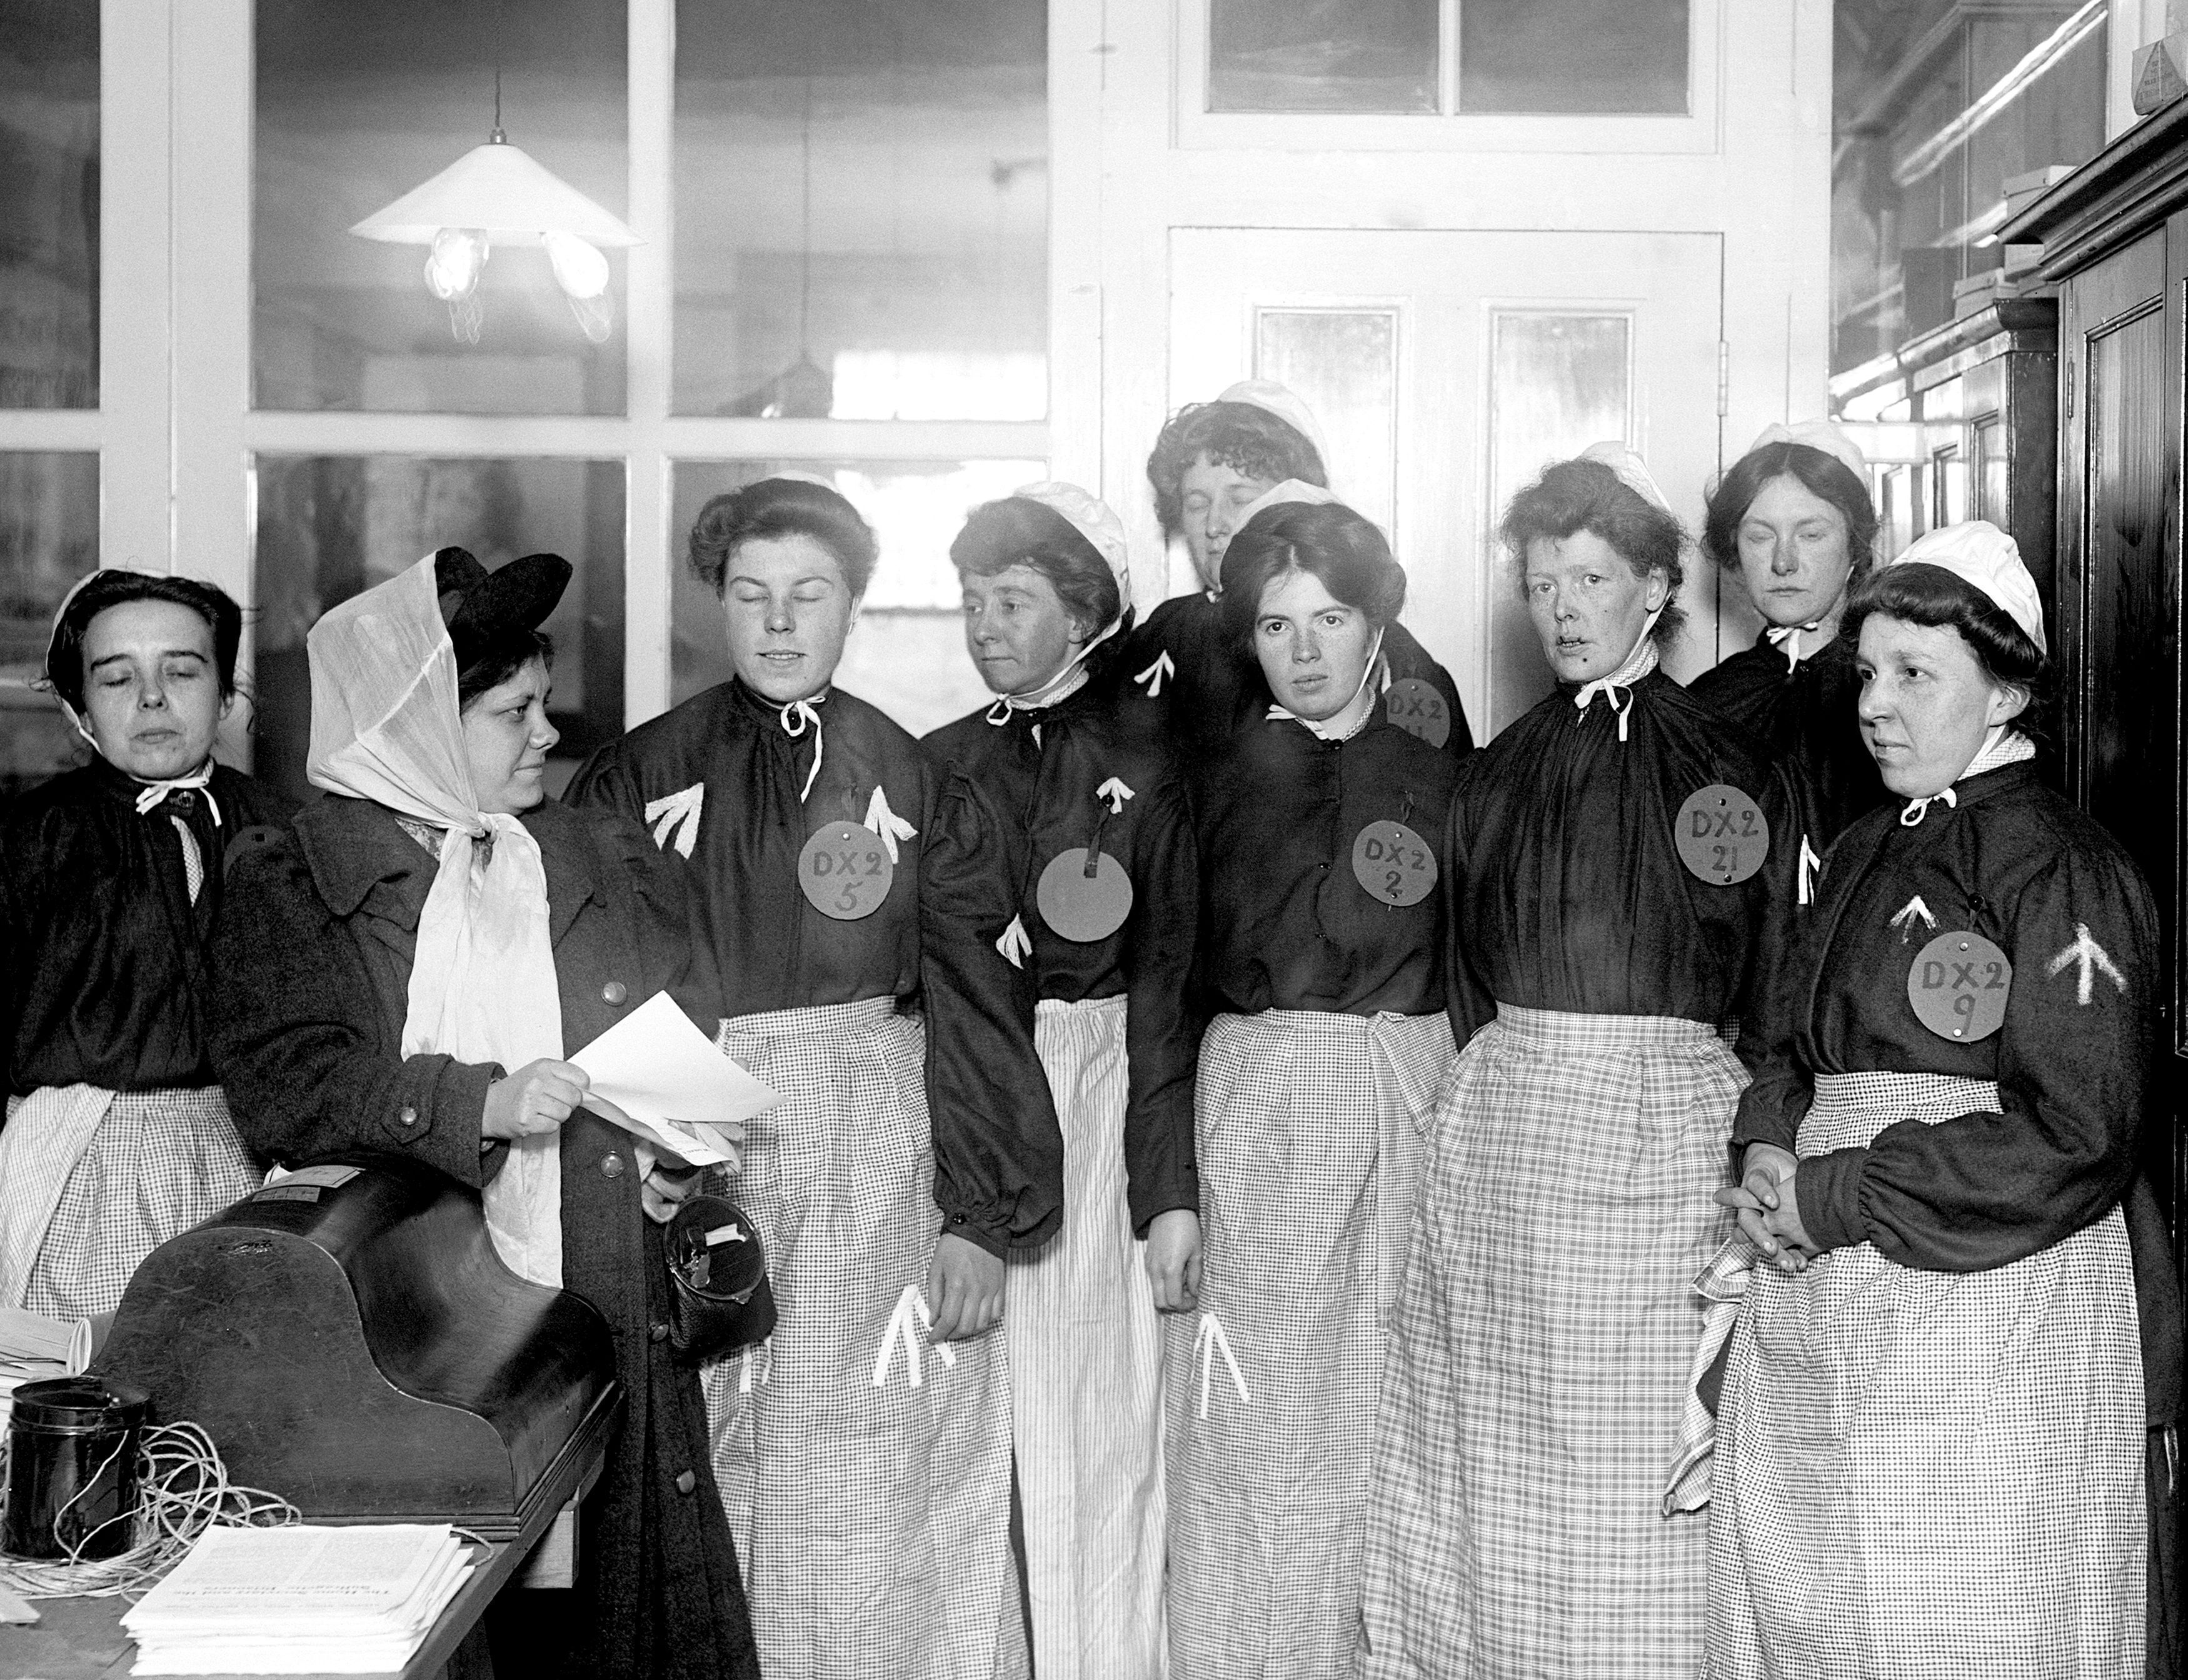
{"points": [[499, 188]]}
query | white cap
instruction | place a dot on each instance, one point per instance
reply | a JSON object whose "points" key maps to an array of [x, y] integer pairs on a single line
{"points": [[798, 475], [1817, 434], [1266, 395], [1633, 471], [1979, 553], [1291, 490], [1089, 516]]}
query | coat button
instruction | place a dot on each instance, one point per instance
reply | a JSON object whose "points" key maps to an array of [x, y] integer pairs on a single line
{"points": [[614, 992], [409, 1115], [611, 1166], [686, 1482], [659, 1332]]}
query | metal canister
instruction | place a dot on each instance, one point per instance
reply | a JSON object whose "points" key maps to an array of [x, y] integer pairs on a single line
{"points": [[71, 1469]]}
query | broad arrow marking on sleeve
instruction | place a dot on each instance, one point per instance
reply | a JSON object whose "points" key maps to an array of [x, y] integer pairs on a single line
{"points": [[1151, 678], [2087, 952]]}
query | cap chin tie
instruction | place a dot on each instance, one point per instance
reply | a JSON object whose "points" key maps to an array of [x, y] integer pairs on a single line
{"points": [[154, 792]]}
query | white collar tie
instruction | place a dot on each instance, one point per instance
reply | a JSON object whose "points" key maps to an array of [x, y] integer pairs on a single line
{"points": [[152, 794], [1617, 688], [796, 716], [1786, 639], [1058, 688], [2004, 745]]}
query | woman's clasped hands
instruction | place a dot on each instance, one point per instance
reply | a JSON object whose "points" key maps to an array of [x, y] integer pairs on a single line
{"points": [[1770, 1212]]}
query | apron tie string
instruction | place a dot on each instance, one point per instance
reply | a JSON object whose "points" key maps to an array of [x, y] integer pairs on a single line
{"points": [[909, 1305], [1208, 1341]]}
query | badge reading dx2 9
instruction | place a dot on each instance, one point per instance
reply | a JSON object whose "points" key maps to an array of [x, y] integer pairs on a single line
{"points": [[1959, 986], [845, 871], [1722, 835], [1394, 864]]}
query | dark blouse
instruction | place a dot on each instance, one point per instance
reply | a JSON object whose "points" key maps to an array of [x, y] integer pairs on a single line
{"points": [[1042, 771], [2018, 865], [1180, 680], [1286, 923], [1569, 892], [930, 945], [1806, 716], [104, 979]]}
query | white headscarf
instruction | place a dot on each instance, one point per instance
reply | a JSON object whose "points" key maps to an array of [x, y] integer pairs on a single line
{"points": [[385, 727]]}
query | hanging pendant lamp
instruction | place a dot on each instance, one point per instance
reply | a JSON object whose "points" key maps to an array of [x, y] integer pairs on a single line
{"points": [[497, 193]]}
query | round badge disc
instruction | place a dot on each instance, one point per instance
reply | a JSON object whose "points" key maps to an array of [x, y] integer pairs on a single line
{"points": [[1394, 864], [1416, 707], [1959, 986], [1722, 835], [845, 871], [1082, 907]]}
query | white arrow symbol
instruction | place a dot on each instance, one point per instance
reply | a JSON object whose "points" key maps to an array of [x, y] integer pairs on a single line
{"points": [[1904, 922], [1209, 1341], [1154, 675], [2092, 956], [909, 1305], [1810, 863], [1015, 945], [1116, 793], [887, 823], [675, 818]]}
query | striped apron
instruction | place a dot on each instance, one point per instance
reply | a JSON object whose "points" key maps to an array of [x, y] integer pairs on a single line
{"points": [[1928, 1472], [866, 1474], [93, 1181], [1309, 1127], [1539, 1353], [1086, 1352]]}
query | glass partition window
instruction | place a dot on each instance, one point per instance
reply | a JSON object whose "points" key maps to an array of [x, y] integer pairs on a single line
{"points": [[907, 654], [1579, 56], [1306, 55], [1344, 365], [48, 204], [359, 102], [330, 526], [861, 202], [48, 539]]}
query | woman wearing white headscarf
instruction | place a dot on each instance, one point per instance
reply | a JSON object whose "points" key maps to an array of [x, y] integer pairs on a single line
{"points": [[1929, 1445], [1108, 896], [405, 974]]}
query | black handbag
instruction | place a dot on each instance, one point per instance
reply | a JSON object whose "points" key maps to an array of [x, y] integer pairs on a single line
{"points": [[719, 1301]]}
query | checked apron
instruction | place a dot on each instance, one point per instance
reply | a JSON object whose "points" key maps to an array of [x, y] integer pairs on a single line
{"points": [[1539, 1357], [1928, 1473], [1309, 1128], [1085, 1353], [872, 1519]]}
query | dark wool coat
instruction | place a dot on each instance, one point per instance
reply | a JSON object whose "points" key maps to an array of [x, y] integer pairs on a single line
{"points": [[313, 963], [1806, 716]]}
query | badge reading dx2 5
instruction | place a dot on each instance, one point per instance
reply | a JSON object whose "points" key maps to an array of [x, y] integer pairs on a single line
{"points": [[1722, 835], [1394, 864], [1959, 986], [845, 871]]}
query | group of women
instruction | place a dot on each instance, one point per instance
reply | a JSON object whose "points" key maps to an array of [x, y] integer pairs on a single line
{"points": [[1263, 1187]]}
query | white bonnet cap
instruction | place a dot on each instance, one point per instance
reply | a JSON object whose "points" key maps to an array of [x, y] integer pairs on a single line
{"points": [[1979, 553], [1281, 401], [1089, 516], [1633, 471], [1291, 490], [798, 475], [1817, 434]]}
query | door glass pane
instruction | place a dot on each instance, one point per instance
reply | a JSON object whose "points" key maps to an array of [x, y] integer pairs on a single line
{"points": [[1308, 55], [330, 526], [907, 654], [1949, 487], [1596, 57], [48, 538], [1990, 478], [862, 209], [1557, 383], [48, 204], [1344, 365], [359, 101]]}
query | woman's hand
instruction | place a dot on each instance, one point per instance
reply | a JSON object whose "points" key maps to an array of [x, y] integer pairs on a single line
{"points": [[1174, 1259], [1768, 1215], [665, 1188], [965, 1286], [537, 1097]]}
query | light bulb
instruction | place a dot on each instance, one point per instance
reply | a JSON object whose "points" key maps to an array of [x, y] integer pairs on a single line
{"points": [[452, 269], [579, 269]]}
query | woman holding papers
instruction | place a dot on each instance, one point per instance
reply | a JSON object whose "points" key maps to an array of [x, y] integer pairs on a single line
{"points": [[865, 1454], [405, 973], [116, 1136]]}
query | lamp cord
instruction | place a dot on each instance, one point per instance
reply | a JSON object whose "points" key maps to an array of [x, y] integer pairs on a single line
{"points": [[805, 226], [498, 137]]}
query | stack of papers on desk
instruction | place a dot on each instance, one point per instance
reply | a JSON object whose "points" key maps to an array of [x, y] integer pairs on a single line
{"points": [[299, 1600], [34, 1347]]}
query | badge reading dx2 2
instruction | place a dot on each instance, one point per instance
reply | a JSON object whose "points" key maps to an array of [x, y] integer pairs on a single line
{"points": [[1394, 864], [1722, 836]]}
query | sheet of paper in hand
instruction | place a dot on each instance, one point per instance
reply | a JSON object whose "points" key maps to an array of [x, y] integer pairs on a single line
{"points": [[668, 1078]]}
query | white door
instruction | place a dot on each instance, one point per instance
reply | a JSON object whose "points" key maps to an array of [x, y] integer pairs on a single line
{"points": [[1447, 369]]}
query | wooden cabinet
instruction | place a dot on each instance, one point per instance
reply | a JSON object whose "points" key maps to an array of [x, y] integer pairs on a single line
{"points": [[2115, 238]]}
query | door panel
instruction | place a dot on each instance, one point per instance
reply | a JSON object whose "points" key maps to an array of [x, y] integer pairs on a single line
{"points": [[1443, 387]]}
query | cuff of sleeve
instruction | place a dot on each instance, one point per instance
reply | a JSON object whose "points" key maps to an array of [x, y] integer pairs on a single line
{"points": [[1183, 1198], [957, 1225], [1827, 1190]]}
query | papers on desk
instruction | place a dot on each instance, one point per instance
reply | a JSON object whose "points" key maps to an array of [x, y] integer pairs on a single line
{"points": [[300, 1600], [666, 1077], [34, 1347]]}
